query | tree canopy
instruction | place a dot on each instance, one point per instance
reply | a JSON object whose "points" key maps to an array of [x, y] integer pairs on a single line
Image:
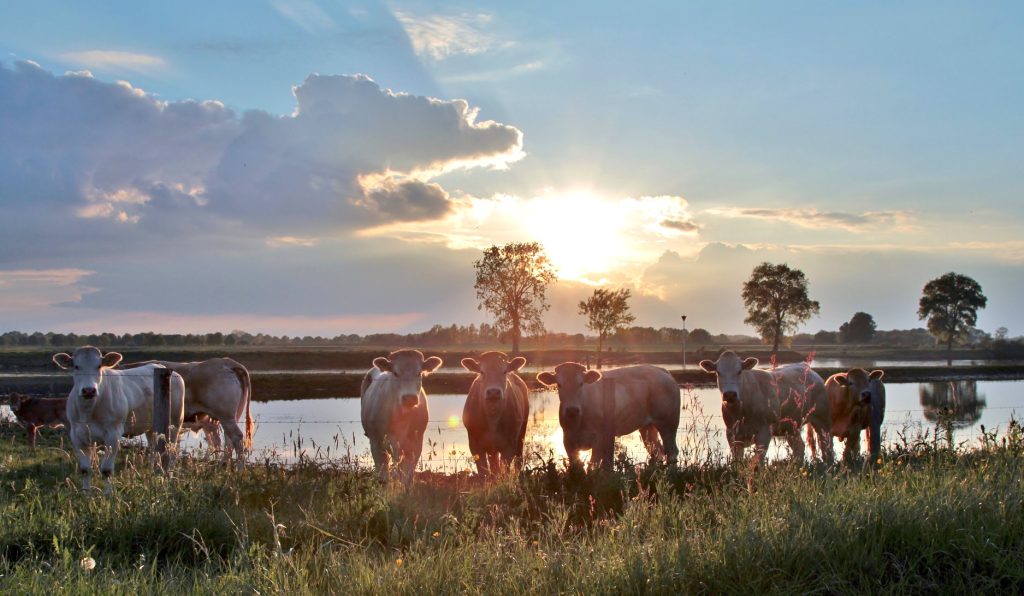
{"points": [[606, 311], [777, 301], [950, 303], [859, 329], [511, 284]]}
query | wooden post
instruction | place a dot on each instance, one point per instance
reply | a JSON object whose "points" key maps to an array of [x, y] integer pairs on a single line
{"points": [[161, 412], [606, 446]]}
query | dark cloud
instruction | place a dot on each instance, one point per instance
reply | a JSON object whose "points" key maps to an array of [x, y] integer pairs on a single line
{"points": [[813, 218], [687, 226]]}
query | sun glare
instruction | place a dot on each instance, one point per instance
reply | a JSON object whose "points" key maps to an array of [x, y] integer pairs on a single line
{"points": [[582, 235]]}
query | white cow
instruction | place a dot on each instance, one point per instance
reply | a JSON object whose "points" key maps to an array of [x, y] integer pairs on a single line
{"points": [[105, 405], [218, 393], [394, 410]]}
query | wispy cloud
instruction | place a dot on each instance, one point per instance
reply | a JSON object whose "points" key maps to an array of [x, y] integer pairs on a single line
{"points": [[32, 288], [114, 59], [441, 36], [815, 219], [306, 14], [291, 241]]}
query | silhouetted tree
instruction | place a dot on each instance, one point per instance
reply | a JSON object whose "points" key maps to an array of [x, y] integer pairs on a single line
{"points": [[777, 301], [951, 303], [511, 282], [606, 311], [859, 329]]}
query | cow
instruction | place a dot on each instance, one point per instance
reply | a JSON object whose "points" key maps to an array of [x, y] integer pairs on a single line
{"points": [[105, 405], [217, 390], [857, 398], [759, 404], [496, 411], [646, 399], [34, 413], [393, 409]]}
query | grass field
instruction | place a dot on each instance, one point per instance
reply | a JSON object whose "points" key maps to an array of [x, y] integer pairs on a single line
{"points": [[931, 517]]}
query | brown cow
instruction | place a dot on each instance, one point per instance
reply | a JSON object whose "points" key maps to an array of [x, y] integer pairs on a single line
{"points": [[759, 404], [496, 411], [646, 399], [36, 412], [857, 398]]}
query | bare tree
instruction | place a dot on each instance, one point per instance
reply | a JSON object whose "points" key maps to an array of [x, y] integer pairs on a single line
{"points": [[777, 301], [606, 311], [511, 282]]}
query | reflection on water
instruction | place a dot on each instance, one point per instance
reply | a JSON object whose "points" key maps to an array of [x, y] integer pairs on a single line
{"points": [[957, 402], [331, 427]]}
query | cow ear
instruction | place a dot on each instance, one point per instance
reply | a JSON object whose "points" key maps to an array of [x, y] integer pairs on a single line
{"points": [[842, 380], [750, 363], [547, 379], [471, 365], [592, 376], [110, 359], [708, 366], [63, 360], [517, 363], [431, 364], [382, 364], [877, 374]]}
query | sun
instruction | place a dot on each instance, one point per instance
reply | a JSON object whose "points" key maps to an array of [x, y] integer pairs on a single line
{"points": [[583, 235]]}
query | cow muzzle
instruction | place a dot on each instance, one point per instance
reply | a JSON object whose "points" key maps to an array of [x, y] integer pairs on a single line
{"points": [[730, 396], [410, 401], [88, 392], [492, 396], [865, 397], [572, 412]]}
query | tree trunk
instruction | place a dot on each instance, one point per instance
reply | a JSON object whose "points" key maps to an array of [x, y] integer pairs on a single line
{"points": [[600, 343], [775, 345], [515, 339], [949, 350]]}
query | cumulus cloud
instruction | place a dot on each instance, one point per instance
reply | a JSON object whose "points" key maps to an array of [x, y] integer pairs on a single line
{"points": [[87, 164], [437, 37], [816, 219]]}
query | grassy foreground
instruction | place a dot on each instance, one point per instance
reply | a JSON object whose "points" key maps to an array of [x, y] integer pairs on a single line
{"points": [[930, 518]]}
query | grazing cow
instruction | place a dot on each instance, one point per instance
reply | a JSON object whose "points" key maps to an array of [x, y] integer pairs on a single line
{"points": [[393, 408], [217, 390], [646, 399], [36, 412], [857, 398], [496, 411], [759, 404], [106, 404]]}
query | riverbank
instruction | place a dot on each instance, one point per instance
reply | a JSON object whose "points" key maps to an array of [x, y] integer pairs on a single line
{"points": [[930, 518], [304, 385]]}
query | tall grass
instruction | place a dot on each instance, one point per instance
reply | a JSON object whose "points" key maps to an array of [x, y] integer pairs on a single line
{"points": [[931, 517]]}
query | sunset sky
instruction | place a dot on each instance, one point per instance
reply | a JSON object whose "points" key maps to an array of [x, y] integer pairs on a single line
{"points": [[314, 167]]}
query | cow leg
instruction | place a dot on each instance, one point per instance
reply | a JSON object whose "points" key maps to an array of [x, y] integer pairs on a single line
{"points": [[824, 438], [32, 431], [113, 444], [211, 431], [852, 450], [796, 444], [668, 439], [875, 441], [411, 451], [649, 436], [381, 457], [735, 446], [494, 462], [234, 436], [84, 466], [763, 439]]}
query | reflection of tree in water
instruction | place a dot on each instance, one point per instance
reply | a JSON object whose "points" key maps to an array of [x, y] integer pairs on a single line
{"points": [[955, 401]]}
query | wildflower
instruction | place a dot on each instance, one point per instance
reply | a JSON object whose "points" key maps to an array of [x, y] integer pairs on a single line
{"points": [[398, 562], [88, 563], [879, 462], [436, 534]]}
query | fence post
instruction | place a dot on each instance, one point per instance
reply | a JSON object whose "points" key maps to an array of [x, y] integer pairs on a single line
{"points": [[161, 412], [606, 447]]}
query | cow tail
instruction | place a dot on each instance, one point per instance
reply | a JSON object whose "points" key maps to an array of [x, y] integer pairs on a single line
{"points": [[250, 428], [811, 443]]}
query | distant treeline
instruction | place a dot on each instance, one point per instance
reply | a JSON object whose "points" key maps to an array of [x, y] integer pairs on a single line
{"points": [[486, 335]]}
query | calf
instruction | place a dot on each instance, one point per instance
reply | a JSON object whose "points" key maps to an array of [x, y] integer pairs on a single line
{"points": [[857, 398], [105, 405], [496, 411], [36, 412], [393, 408], [759, 404], [646, 399]]}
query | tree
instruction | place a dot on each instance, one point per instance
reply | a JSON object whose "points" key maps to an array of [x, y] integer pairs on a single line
{"points": [[777, 302], [951, 303], [606, 311], [511, 282], [699, 337], [860, 329]]}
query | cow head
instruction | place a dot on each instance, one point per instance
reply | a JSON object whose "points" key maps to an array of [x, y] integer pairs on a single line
{"points": [[493, 369], [16, 399], [728, 370], [86, 368], [408, 368], [569, 377], [863, 390]]}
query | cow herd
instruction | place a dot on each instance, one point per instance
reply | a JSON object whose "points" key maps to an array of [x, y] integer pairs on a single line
{"points": [[109, 401]]}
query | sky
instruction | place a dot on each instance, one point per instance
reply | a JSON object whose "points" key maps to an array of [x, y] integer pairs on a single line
{"points": [[308, 167]]}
